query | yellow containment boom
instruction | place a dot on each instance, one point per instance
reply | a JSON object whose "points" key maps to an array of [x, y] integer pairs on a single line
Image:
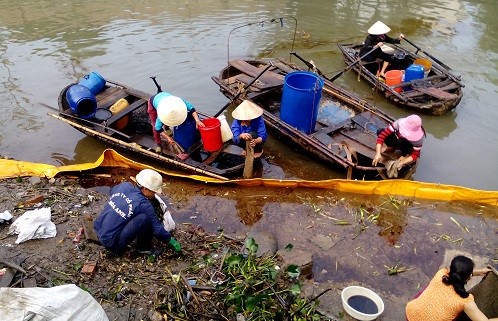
{"points": [[110, 158]]}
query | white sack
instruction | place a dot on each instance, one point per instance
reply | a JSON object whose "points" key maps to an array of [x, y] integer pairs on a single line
{"points": [[168, 223], [34, 224], [5, 216], [59, 303]]}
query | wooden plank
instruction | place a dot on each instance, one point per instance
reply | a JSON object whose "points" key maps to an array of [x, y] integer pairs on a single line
{"points": [[108, 100], [90, 233], [363, 143], [258, 84], [269, 78], [139, 103], [29, 283], [436, 92]]}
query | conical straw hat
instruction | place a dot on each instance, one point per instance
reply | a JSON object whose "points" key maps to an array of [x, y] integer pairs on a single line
{"points": [[247, 110], [172, 111], [378, 28]]}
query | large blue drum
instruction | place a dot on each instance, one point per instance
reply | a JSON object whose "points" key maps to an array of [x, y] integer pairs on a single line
{"points": [[81, 101], [94, 82], [301, 99]]}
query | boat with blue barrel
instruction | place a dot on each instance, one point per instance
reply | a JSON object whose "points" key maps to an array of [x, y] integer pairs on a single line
{"points": [[421, 83], [312, 114], [117, 115]]}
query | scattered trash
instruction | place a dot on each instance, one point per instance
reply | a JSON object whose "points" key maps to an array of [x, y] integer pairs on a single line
{"points": [[59, 303], [34, 224], [5, 216]]}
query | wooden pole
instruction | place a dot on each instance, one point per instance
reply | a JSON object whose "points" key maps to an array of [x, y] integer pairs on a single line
{"points": [[248, 165], [140, 149]]}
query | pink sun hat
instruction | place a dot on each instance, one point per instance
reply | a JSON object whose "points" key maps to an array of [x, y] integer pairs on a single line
{"points": [[411, 128]]}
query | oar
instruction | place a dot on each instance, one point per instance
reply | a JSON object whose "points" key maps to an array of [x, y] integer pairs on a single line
{"points": [[428, 54], [245, 87], [248, 165], [312, 66], [353, 63]]}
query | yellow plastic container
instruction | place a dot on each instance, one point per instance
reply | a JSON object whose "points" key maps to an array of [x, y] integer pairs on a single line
{"points": [[116, 108], [424, 62]]}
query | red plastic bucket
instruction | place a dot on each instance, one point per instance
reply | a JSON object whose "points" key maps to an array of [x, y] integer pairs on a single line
{"points": [[393, 77], [211, 134]]}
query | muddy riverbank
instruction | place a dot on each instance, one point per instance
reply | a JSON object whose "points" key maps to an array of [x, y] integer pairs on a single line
{"points": [[389, 244]]}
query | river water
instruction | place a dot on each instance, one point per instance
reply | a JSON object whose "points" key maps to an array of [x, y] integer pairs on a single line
{"points": [[45, 45]]}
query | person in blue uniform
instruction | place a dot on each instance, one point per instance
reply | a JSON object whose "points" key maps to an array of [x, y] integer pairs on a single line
{"points": [[248, 126], [129, 215]]}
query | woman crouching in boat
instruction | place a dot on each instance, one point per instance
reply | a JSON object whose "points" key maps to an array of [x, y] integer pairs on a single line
{"points": [[404, 134], [376, 37], [166, 110], [248, 126]]}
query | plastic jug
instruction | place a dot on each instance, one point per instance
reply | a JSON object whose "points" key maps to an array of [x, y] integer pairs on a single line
{"points": [[226, 132]]}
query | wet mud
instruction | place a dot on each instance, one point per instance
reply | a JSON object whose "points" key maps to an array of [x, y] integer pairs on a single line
{"points": [[391, 245]]}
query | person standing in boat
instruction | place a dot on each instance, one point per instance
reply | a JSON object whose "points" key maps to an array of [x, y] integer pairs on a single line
{"points": [[129, 215], [166, 110], [248, 126], [446, 297], [377, 37], [404, 134]]}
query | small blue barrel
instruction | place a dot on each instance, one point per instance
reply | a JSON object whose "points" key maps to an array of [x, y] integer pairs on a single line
{"points": [[81, 101], [93, 81], [301, 99], [186, 134], [414, 72]]}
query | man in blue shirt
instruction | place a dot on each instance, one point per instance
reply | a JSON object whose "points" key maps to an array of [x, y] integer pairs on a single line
{"points": [[130, 215]]}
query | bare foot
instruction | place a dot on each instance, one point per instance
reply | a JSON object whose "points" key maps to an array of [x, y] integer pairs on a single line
{"points": [[182, 156]]}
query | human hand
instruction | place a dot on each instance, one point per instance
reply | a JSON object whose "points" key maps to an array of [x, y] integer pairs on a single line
{"points": [[376, 159], [481, 272], [252, 143], [175, 245], [198, 123], [380, 44], [401, 36], [245, 136], [166, 137]]}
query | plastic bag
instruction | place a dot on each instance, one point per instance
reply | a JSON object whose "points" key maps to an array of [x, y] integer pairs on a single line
{"points": [[59, 303], [35, 224], [168, 223]]}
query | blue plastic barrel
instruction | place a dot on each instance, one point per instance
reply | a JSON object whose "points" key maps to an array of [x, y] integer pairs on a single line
{"points": [[186, 134], [301, 99], [93, 81], [81, 101], [414, 72]]}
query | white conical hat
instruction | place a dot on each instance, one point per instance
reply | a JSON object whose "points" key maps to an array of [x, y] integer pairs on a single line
{"points": [[172, 111], [378, 28], [247, 110]]}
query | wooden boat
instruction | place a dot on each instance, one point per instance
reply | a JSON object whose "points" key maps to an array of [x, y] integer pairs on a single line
{"points": [[436, 93], [130, 129], [345, 131]]}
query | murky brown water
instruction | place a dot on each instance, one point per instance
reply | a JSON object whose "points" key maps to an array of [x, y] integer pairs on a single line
{"points": [[47, 44]]}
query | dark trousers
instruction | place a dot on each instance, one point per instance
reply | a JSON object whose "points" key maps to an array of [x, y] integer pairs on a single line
{"points": [[402, 144], [139, 228], [258, 148]]}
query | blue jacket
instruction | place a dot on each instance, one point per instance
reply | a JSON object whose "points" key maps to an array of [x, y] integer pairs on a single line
{"points": [[155, 102], [257, 125], [126, 201]]}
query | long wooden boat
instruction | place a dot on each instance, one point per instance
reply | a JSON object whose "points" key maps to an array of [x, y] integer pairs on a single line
{"points": [[130, 129], [345, 131], [436, 93]]}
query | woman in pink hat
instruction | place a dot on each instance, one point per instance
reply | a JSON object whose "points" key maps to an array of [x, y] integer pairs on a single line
{"points": [[406, 135], [376, 37]]}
